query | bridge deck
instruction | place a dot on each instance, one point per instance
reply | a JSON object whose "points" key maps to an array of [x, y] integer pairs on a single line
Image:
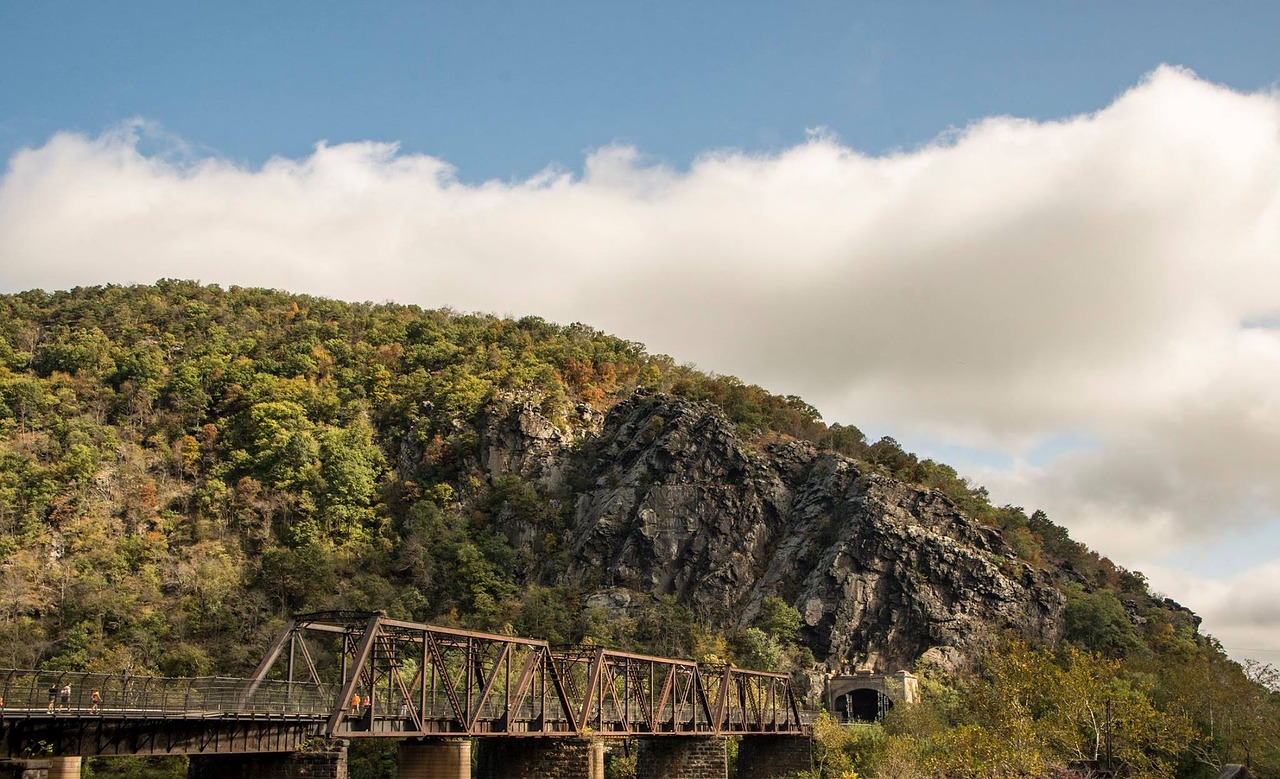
{"points": [[342, 675]]}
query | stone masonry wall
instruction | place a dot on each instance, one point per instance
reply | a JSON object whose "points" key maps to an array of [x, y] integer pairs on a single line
{"points": [[685, 757], [439, 758], [289, 765], [532, 758], [24, 769], [764, 757]]}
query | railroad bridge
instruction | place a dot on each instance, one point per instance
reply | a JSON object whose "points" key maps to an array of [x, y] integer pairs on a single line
{"points": [[530, 711]]}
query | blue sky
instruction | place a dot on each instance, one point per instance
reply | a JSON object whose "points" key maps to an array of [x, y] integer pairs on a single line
{"points": [[501, 90], [1003, 233]]}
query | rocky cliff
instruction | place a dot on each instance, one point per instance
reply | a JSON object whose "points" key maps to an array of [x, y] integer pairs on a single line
{"points": [[667, 499]]}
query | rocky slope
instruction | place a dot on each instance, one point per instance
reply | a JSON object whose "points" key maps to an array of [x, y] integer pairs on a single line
{"points": [[667, 499]]}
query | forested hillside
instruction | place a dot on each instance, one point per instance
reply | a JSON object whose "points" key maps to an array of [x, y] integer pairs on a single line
{"points": [[182, 467]]}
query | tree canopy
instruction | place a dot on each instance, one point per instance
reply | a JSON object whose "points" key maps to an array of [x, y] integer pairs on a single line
{"points": [[182, 466]]}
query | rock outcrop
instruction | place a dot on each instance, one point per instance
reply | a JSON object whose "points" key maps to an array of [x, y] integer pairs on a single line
{"points": [[669, 500], [518, 438]]}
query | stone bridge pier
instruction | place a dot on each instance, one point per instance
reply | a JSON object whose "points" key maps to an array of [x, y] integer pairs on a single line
{"points": [[685, 757], [330, 763], [36, 768], [538, 758], [765, 757], [704, 757], [435, 758], [660, 757]]}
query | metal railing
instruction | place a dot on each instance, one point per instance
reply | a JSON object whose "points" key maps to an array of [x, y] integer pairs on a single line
{"points": [[63, 692]]}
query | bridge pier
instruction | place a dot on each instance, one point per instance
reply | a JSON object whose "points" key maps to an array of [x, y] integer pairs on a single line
{"points": [[64, 767], [436, 758], [764, 757], [330, 764], [540, 758], [684, 757], [44, 768], [24, 769]]}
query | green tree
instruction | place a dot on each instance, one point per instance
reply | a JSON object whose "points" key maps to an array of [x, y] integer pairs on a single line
{"points": [[1098, 621], [779, 619], [350, 466]]}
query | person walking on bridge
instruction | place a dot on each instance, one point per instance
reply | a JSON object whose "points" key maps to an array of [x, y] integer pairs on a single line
{"points": [[53, 695], [65, 696], [96, 701]]}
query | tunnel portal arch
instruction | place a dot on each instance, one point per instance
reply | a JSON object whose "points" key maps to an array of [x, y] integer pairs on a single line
{"points": [[868, 697], [863, 705]]}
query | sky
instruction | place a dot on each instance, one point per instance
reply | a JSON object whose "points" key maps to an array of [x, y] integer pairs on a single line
{"points": [[1039, 242]]}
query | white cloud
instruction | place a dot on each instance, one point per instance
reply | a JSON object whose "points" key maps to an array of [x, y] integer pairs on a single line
{"points": [[1015, 283]]}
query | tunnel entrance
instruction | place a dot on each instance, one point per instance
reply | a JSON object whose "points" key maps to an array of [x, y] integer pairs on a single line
{"points": [[868, 697], [863, 706]]}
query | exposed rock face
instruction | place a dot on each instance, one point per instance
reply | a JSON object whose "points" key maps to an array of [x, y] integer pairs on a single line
{"points": [[881, 572], [520, 439]]}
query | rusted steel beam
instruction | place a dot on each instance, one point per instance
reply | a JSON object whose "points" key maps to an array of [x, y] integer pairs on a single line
{"points": [[108, 736], [491, 685], [591, 688], [488, 686], [273, 653], [306, 657], [643, 695], [339, 711], [557, 685], [614, 653], [416, 627]]}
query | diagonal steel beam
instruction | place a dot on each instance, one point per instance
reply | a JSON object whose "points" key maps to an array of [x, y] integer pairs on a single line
{"points": [[363, 650], [722, 700], [620, 709], [557, 684], [700, 701], [592, 685], [437, 659], [273, 654], [524, 682], [488, 686], [407, 697], [306, 657], [643, 696]]}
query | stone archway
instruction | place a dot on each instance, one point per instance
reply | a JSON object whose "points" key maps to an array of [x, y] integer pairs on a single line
{"points": [[868, 697]]}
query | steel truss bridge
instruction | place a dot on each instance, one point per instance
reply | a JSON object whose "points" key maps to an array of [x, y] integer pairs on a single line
{"points": [[411, 680]]}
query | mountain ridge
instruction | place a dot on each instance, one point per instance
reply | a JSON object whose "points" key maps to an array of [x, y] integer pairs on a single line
{"points": [[183, 467], [300, 426]]}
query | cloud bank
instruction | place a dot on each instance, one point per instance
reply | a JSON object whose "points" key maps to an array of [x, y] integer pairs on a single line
{"points": [[1112, 279]]}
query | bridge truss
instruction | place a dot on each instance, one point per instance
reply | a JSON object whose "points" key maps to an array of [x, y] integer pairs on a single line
{"points": [[404, 679]]}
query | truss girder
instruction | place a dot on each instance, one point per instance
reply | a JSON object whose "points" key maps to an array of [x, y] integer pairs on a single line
{"points": [[403, 679]]}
